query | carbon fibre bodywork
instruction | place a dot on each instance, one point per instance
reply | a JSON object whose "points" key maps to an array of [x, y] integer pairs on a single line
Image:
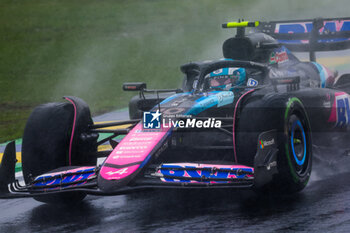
{"points": [[265, 132]]}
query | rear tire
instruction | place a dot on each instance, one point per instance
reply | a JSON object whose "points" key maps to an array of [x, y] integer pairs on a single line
{"points": [[45, 147]]}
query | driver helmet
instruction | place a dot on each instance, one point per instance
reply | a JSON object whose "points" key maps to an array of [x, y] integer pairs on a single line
{"points": [[226, 78]]}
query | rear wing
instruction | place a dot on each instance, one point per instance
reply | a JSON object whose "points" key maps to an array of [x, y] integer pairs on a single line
{"points": [[310, 35]]}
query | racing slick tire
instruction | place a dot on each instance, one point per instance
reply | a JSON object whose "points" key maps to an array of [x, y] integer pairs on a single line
{"points": [[46, 142]]}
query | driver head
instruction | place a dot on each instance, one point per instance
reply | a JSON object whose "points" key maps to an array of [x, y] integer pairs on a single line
{"points": [[226, 79]]}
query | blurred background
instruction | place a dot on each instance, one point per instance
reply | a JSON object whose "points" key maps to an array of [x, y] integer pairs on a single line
{"points": [[88, 48]]}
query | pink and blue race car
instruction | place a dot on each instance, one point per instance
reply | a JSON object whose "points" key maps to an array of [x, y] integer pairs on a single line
{"points": [[250, 120]]}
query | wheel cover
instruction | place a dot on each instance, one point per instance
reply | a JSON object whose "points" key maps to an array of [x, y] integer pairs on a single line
{"points": [[298, 146], [298, 142]]}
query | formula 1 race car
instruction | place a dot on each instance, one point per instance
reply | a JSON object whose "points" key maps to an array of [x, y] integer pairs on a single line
{"points": [[249, 120]]}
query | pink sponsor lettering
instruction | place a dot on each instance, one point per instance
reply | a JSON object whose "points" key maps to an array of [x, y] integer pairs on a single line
{"points": [[134, 148]]}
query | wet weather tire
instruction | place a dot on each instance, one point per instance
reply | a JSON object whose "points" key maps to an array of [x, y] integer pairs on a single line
{"points": [[294, 161], [46, 144]]}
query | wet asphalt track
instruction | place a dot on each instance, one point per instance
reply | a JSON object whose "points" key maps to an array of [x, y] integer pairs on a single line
{"points": [[324, 206]]}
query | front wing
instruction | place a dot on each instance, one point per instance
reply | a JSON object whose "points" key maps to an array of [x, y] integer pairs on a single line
{"points": [[165, 175]]}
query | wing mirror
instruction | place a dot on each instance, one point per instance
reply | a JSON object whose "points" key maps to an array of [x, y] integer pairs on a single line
{"points": [[137, 86]]}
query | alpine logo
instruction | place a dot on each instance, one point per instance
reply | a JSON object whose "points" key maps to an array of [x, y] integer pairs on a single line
{"points": [[120, 171]]}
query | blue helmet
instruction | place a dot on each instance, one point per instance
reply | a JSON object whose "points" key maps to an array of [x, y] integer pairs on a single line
{"points": [[226, 79]]}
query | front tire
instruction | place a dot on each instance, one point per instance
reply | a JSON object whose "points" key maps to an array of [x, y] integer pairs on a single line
{"points": [[46, 144], [288, 117], [294, 162]]}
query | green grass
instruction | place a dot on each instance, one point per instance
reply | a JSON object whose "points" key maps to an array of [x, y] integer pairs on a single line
{"points": [[88, 48]]}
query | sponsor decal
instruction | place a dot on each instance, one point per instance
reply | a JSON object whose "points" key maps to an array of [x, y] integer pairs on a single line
{"points": [[303, 27], [110, 173], [263, 144], [227, 72], [137, 139], [215, 98], [340, 112], [276, 73], [52, 179], [135, 148], [132, 147], [224, 98], [132, 156], [219, 71], [205, 171], [252, 82], [272, 164], [327, 104], [279, 57], [120, 171]]}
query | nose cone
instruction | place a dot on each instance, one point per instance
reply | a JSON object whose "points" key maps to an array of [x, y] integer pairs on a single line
{"points": [[112, 185], [130, 156]]}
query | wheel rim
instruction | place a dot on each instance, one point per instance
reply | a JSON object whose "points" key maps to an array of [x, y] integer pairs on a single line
{"points": [[298, 145]]}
